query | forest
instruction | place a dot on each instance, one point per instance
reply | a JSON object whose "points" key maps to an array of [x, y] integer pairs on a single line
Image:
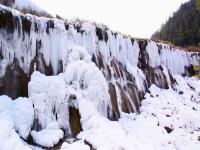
{"points": [[183, 27]]}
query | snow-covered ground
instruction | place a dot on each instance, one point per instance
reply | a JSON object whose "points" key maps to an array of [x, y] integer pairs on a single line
{"points": [[168, 119], [48, 137]]}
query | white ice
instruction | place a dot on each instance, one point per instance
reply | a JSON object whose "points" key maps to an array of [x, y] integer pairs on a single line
{"points": [[49, 136]]}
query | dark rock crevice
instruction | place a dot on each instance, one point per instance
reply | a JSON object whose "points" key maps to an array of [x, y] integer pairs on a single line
{"points": [[15, 82], [102, 34], [113, 97], [90, 145], [156, 76], [127, 107], [50, 25], [7, 21], [74, 116], [74, 120], [26, 24], [38, 64], [143, 60], [190, 71]]}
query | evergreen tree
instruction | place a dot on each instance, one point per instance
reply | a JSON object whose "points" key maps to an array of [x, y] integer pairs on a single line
{"points": [[183, 28], [198, 4]]}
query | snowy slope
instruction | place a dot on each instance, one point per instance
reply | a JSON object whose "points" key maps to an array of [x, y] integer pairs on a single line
{"points": [[166, 121]]}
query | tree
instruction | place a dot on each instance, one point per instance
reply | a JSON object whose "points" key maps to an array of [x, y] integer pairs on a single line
{"points": [[183, 28], [8, 3], [198, 4]]}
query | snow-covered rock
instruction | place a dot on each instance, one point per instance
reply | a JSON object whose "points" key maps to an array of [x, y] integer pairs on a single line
{"points": [[86, 77], [49, 97], [79, 145], [49, 136], [10, 123], [23, 115]]}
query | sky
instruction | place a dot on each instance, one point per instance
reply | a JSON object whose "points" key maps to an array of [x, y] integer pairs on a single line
{"points": [[138, 18]]}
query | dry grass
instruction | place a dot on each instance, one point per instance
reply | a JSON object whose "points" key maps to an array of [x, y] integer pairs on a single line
{"points": [[33, 12], [185, 48]]}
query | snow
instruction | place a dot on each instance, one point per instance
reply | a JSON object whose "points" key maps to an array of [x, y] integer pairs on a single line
{"points": [[49, 136], [87, 77], [178, 112], [98, 130], [50, 94], [9, 139], [78, 145], [83, 75], [160, 109], [49, 97], [22, 115], [75, 53]]}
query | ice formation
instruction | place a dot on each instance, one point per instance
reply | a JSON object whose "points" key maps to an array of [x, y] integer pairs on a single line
{"points": [[80, 76], [85, 76], [31, 43], [32, 36], [163, 112], [15, 122]]}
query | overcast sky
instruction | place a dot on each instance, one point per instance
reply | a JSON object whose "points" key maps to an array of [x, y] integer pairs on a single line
{"points": [[138, 18]]}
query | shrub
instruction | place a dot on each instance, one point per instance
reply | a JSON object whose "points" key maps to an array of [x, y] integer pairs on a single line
{"points": [[197, 70]]}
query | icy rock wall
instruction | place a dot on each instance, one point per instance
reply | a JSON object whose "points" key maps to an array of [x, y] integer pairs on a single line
{"points": [[130, 66], [56, 98]]}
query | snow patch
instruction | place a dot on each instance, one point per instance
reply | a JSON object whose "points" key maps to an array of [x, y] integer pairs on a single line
{"points": [[49, 136], [78, 145], [9, 139]]}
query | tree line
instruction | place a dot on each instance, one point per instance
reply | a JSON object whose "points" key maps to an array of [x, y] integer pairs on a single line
{"points": [[183, 27]]}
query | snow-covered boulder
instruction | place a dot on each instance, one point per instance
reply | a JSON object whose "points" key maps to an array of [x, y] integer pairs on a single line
{"points": [[15, 121], [49, 136]]}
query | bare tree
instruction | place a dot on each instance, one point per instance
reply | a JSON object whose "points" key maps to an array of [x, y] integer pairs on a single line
{"points": [[8, 3]]}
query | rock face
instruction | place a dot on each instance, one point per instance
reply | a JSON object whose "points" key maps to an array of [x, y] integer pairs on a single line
{"points": [[130, 66]]}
